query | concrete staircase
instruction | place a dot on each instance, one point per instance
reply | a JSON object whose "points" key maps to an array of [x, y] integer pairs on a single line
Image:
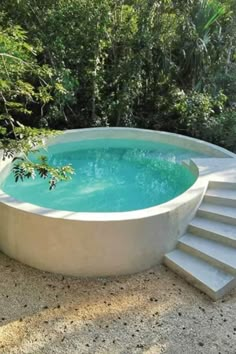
{"points": [[206, 255]]}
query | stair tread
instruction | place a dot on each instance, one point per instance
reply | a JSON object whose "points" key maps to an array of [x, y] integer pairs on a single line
{"points": [[220, 228], [222, 193], [218, 209], [209, 275], [220, 184], [218, 251]]}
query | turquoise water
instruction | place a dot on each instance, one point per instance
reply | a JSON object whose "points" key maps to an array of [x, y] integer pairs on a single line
{"points": [[111, 176]]}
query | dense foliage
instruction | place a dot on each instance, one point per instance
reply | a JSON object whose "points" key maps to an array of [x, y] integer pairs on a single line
{"points": [[168, 65], [23, 84]]}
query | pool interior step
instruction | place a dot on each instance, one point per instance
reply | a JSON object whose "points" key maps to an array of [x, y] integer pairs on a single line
{"points": [[210, 279], [206, 254]]}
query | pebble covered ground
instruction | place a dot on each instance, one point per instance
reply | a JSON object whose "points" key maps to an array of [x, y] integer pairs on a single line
{"points": [[152, 312]]}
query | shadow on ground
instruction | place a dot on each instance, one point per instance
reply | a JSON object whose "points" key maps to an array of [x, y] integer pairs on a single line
{"points": [[151, 312]]}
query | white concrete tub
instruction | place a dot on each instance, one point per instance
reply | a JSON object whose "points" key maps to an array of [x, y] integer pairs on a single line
{"points": [[101, 244]]}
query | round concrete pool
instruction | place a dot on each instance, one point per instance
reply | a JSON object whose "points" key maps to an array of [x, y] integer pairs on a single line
{"points": [[132, 197]]}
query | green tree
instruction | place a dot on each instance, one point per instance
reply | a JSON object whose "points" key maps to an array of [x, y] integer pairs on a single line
{"points": [[128, 62], [24, 83]]}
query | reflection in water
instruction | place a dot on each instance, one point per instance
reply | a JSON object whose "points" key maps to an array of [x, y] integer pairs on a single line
{"points": [[111, 176]]}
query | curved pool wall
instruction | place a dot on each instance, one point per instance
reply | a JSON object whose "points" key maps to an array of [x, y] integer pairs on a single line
{"points": [[101, 244]]}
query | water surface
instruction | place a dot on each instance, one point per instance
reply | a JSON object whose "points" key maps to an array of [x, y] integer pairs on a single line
{"points": [[112, 175]]}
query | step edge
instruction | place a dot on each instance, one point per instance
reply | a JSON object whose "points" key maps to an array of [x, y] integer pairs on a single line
{"points": [[210, 193], [222, 184], [213, 261], [211, 235], [228, 218], [220, 199], [204, 220], [204, 262], [211, 229], [214, 294], [210, 205]]}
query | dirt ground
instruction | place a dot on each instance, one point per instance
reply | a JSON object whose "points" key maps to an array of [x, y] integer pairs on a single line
{"points": [[152, 312]]}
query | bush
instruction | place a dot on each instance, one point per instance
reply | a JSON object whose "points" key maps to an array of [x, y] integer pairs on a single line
{"points": [[153, 64], [198, 111], [225, 130]]}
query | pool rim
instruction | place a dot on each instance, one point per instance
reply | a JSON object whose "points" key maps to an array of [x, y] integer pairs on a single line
{"points": [[123, 215]]}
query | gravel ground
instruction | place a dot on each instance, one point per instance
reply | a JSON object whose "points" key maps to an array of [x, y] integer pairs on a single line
{"points": [[152, 312]]}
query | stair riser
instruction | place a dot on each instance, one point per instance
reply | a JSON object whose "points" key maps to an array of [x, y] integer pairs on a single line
{"points": [[221, 185], [213, 261], [220, 201], [217, 217], [192, 280], [211, 236]]}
